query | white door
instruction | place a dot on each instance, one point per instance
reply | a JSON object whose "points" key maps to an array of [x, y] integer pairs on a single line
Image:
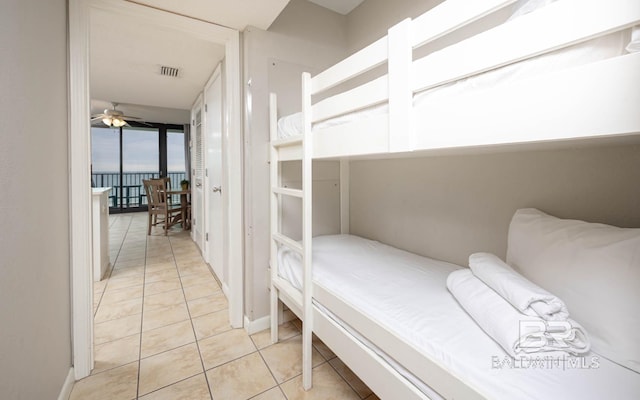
{"points": [[197, 176], [213, 176]]}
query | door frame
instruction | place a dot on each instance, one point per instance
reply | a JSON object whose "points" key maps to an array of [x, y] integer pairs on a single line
{"points": [[80, 169]]}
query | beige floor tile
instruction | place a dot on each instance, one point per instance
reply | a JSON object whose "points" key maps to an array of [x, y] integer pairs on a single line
{"points": [[327, 385], [108, 312], [116, 284], [271, 394], [116, 353], [160, 266], [240, 379], [115, 384], [198, 279], [166, 338], [188, 260], [207, 305], [352, 379], [225, 347], [117, 328], [124, 273], [160, 317], [164, 299], [160, 258], [199, 267], [186, 255], [116, 296], [100, 286], [131, 255], [169, 367], [192, 264], [124, 262], [161, 275], [285, 331], [152, 288], [203, 290], [195, 388], [211, 324], [284, 359]]}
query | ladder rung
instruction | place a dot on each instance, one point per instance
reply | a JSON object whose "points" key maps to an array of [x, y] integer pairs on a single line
{"points": [[289, 141], [287, 191], [290, 243]]}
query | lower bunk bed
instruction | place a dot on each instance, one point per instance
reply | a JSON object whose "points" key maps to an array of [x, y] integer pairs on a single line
{"points": [[389, 316]]}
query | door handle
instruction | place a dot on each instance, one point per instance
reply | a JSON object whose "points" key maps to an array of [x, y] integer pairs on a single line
{"points": [[217, 189], [198, 184]]}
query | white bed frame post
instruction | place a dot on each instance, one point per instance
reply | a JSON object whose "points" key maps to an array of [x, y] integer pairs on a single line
{"points": [[401, 134], [307, 232], [274, 169], [344, 197]]}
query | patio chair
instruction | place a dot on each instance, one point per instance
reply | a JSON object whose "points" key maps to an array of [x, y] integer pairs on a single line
{"points": [[156, 190]]}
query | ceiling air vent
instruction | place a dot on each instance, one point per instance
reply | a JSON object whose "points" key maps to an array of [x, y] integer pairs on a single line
{"points": [[169, 71]]}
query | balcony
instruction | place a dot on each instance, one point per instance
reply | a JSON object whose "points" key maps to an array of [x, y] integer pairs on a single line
{"points": [[129, 194]]}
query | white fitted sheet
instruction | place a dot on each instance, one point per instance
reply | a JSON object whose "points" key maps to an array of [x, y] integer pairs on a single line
{"points": [[407, 294], [591, 51]]}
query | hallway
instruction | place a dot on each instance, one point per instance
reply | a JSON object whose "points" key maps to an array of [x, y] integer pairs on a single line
{"points": [[162, 332]]}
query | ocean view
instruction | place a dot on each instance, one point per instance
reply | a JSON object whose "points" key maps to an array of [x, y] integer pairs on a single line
{"points": [[129, 193]]}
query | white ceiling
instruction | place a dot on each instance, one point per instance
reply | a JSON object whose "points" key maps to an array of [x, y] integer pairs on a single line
{"points": [[128, 49], [236, 14]]}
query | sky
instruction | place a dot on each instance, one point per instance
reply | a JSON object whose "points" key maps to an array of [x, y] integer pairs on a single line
{"points": [[140, 150]]}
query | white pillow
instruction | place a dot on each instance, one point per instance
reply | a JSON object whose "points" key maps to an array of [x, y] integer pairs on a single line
{"points": [[523, 7], [594, 268]]}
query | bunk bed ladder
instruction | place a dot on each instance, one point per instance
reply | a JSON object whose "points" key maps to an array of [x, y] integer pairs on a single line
{"points": [[277, 238]]}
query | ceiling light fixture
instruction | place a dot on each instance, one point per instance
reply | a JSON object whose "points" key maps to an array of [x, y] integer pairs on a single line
{"points": [[113, 120], [114, 117]]}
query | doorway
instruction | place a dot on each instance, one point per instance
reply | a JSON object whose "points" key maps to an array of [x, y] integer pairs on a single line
{"points": [[80, 160]]}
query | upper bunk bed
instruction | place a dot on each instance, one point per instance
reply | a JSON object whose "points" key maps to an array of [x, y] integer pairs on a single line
{"points": [[568, 71]]}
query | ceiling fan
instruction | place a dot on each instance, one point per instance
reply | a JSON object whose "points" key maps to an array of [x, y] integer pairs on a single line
{"points": [[114, 117]]}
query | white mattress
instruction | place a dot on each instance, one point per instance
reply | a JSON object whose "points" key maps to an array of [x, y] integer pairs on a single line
{"points": [[407, 294], [591, 51]]}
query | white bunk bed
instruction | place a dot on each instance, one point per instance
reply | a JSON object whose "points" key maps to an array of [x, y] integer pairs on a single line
{"points": [[427, 104]]}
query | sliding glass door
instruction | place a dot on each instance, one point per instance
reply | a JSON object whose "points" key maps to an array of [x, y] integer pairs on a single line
{"points": [[123, 157]]}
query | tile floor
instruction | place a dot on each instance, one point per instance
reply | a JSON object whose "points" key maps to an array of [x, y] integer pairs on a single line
{"points": [[162, 332]]}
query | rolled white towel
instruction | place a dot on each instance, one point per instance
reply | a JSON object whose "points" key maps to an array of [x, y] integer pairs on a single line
{"points": [[518, 334], [526, 296]]}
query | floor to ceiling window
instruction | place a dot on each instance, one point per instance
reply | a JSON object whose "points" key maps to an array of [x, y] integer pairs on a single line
{"points": [[123, 157]]}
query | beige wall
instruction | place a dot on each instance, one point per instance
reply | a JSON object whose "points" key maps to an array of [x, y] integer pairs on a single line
{"points": [[35, 321], [305, 37], [448, 207], [371, 19]]}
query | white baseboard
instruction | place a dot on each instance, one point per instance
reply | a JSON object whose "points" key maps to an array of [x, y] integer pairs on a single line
{"points": [[256, 326], [65, 393]]}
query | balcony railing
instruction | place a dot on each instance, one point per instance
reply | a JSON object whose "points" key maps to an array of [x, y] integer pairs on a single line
{"points": [[130, 194]]}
